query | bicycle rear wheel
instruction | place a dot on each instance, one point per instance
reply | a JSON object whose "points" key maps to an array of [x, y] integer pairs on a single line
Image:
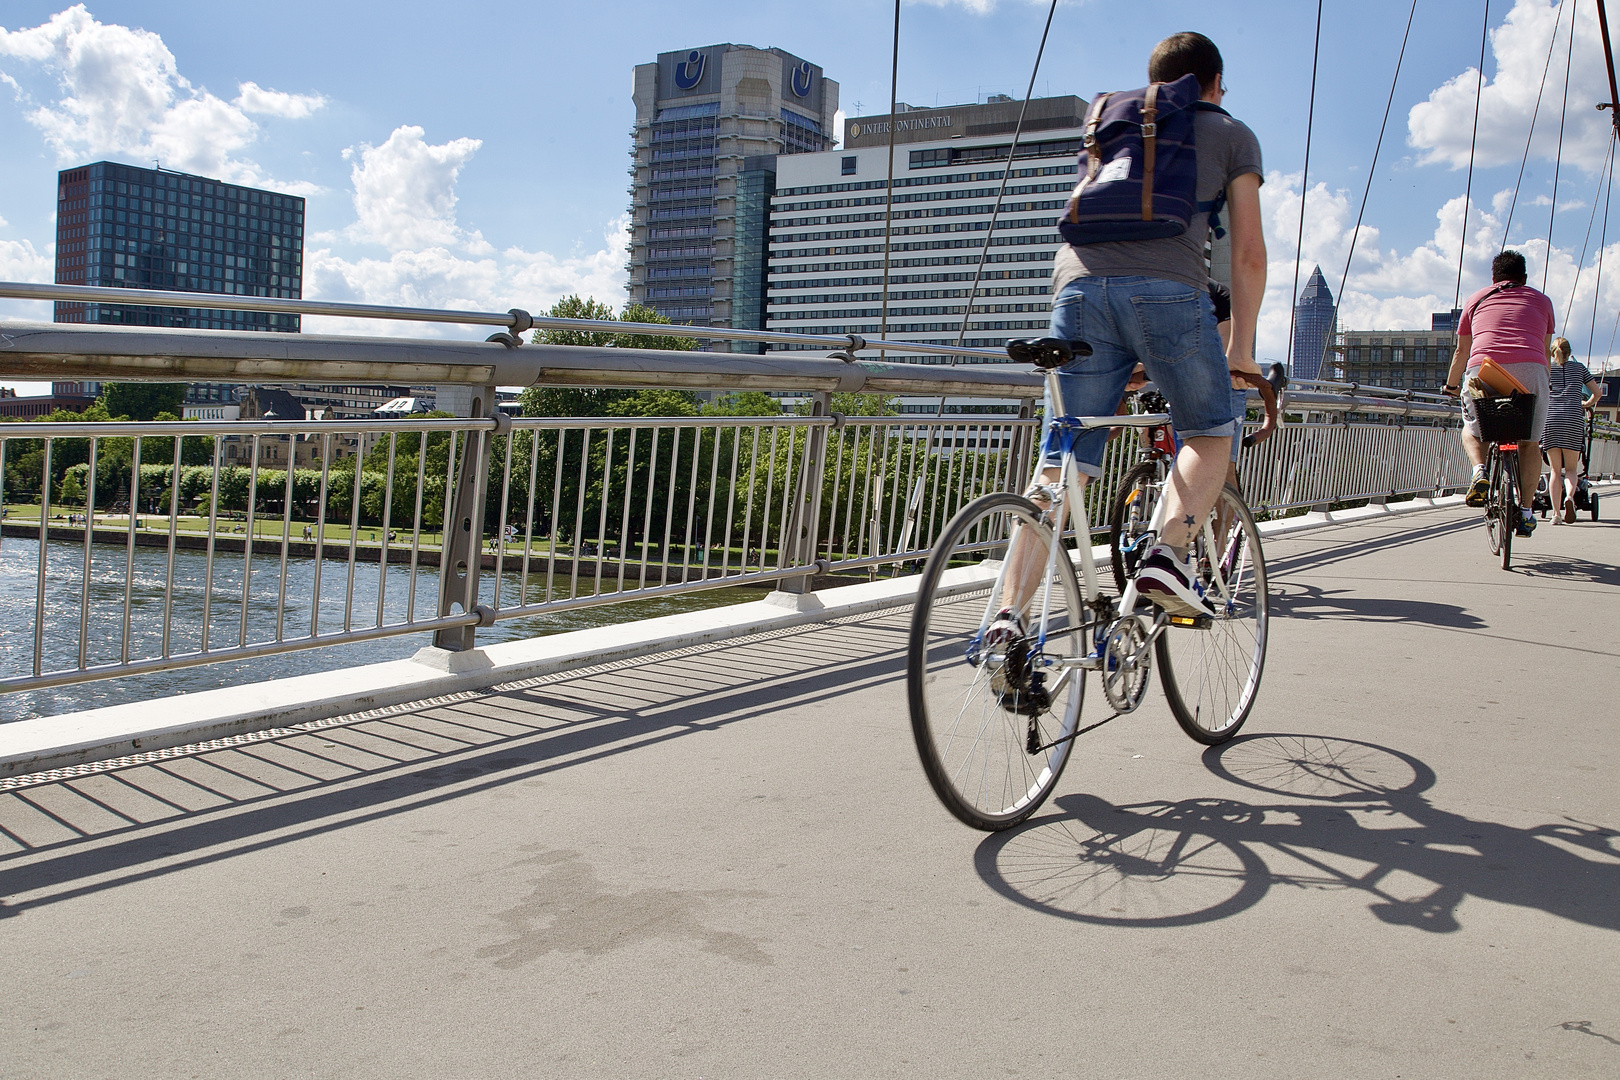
{"points": [[1211, 674], [1509, 511], [1495, 522], [991, 723], [1128, 518]]}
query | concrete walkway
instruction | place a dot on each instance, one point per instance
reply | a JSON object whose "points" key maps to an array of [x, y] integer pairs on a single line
{"points": [[727, 863]]}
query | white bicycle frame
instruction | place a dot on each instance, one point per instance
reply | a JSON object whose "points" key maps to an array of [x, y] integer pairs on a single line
{"points": [[1066, 495]]}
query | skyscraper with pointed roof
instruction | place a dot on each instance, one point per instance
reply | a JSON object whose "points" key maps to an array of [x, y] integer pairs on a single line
{"points": [[1314, 314]]}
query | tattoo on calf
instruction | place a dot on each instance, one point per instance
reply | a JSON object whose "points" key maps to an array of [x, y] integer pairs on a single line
{"points": [[1189, 521]]}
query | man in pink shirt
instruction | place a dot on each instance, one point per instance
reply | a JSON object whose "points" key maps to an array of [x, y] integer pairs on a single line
{"points": [[1512, 324]]}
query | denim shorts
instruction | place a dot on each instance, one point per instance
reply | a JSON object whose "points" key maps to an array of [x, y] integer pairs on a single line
{"points": [[1166, 326]]}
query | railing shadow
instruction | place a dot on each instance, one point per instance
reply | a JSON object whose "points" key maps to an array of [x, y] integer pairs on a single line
{"points": [[1353, 816], [144, 821]]}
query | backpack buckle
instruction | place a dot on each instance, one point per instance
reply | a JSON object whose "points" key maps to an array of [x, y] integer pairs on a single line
{"points": [[1089, 141], [1150, 130]]}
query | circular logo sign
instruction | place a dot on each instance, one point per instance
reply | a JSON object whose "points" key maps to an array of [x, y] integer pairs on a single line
{"points": [[854, 131]]}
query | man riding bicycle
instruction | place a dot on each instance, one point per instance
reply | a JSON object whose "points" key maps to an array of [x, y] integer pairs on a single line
{"points": [[1512, 324], [1147, 301]]}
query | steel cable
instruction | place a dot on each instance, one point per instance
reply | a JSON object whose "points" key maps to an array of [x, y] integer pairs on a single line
{"points": [[1534, 114], [1473, 142], [1558, 158], [1367, 191], [1305, 188]]}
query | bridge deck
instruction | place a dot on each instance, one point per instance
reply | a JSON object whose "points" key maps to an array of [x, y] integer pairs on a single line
{"points": [[728, 862]]}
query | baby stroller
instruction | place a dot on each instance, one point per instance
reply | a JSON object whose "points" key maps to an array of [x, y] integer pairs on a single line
{"points": [[1585, 498]]}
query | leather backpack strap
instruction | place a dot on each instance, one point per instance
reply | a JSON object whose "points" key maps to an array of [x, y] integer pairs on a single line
{"points": [[1150, 139], [1093, 154]]}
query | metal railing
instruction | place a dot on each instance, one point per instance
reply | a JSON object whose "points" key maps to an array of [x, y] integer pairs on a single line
{"points": [[182, 544]]}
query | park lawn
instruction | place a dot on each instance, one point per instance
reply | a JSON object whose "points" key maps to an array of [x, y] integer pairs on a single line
{"points": [[369, 535]]}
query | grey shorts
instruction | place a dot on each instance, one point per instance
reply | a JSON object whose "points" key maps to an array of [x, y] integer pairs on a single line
{"points": [[1533, 377]]}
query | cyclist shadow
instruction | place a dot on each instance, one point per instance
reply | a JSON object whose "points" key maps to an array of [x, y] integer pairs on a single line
{"points": [[1296, 601], [1585, 571], [1352, 816]]}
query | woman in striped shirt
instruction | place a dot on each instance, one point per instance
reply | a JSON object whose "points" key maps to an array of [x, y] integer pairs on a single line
{"points": [[1569, 388]]}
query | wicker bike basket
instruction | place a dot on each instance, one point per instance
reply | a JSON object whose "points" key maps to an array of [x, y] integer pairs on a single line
{"points": [[1506, 418]]}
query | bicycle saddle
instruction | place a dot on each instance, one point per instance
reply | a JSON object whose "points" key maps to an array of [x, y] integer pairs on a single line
{"points": [[1046, 352]]}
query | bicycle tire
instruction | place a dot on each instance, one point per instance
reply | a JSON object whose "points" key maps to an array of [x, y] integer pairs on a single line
{"points": [[972, 742], [1131, 510], [1494, 521], [1510, 506], [1211, 676]]}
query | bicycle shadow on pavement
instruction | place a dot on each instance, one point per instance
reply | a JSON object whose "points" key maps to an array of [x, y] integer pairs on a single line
{"points": [[1352, 816], [1562, 568], [1297, 601]]}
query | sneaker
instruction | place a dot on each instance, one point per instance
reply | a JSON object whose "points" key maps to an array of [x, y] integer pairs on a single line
{"points": [[1168, 582], [1569, 511], [1006, 628], [1527, 522], [1479, 490]]}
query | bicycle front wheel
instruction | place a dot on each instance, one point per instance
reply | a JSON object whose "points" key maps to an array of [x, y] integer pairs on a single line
{"points": [[1129, 517], [1211, 673], [994, 722]]}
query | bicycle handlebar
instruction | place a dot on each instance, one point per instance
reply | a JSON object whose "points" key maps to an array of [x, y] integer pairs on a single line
{"points": [[1270, 386]]}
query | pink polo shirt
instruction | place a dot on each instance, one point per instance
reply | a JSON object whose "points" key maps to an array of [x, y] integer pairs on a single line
{"points": [[1510, 326]]}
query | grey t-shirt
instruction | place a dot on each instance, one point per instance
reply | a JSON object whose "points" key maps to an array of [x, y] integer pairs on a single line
{"points": [[1226, 150]]}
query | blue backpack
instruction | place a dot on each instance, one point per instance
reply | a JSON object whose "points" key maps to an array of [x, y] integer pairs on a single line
{"points": [[1139, 166]]}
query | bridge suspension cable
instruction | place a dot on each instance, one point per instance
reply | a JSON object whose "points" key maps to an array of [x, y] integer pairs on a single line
{"points": [[1580, 264], [1371, 169], [1535, 113], [1473, 143], [1006, 174], [1558, 157], [1304, 192]]}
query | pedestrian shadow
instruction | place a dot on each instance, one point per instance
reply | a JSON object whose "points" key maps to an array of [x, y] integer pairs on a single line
{"points": [[1296, 601], [1345, 816]]}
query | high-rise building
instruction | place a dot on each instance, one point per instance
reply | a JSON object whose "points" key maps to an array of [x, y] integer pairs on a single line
{"points": [[1313, 327], [1402, 359], [710, 124], [827, 227], [127, 227]]}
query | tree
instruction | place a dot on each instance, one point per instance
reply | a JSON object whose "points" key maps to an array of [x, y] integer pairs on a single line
{"points": [[606, 401], [142, 401]]}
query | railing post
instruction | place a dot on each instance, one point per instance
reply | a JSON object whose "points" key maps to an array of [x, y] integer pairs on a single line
{"points": [[805, 521], [461, 554], [1019, 468]]}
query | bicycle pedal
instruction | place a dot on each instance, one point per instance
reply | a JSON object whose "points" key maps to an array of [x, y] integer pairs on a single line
{"points": [[1193, 622]]}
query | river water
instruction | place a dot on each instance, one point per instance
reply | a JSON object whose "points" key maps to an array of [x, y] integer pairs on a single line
{"points": [[103, 637]]}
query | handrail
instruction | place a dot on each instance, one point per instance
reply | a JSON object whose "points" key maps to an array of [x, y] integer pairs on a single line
{"points": [[60, 351], [516, 320]]}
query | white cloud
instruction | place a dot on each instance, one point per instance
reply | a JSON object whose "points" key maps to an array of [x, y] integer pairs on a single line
{"points": [[253, 98], [21, 261], [1394, 289], [405, 190], [118, 92], [405, 200], [1442, 126], [437, 277]]}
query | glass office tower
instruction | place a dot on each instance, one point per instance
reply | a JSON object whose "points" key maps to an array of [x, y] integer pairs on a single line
{"points": [[133, 228]]}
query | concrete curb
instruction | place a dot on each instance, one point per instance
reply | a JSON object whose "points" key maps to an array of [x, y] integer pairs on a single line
{"points": [[57, 742]]}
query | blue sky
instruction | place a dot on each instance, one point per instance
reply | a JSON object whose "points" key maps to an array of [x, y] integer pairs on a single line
{"points": [[475, 155]]}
